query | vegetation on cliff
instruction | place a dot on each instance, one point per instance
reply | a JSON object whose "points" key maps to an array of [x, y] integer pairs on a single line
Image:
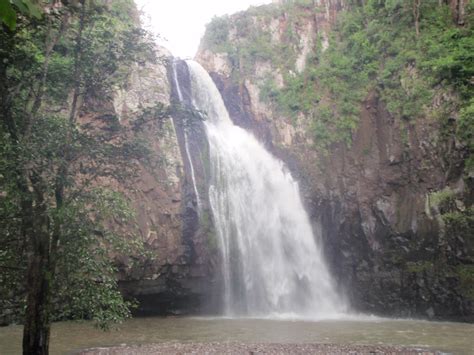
{"points": [[54, 236], [405, 51]]}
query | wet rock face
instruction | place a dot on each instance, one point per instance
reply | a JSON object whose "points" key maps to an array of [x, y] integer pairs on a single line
{"points": [[383, 245], [175, 277], [238, 103], [377, 202]]}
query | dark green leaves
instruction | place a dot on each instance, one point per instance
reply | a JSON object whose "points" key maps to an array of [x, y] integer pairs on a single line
{"points": [[7, 14], [217, 33], [9, 8], [29, 7]]}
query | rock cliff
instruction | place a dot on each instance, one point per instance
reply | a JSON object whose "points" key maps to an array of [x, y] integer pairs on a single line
{"points": [[175, 277], [174, 274], [391, 191]]}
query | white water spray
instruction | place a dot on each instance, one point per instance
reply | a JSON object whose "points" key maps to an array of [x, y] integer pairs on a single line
{"points": [[272, 264]]}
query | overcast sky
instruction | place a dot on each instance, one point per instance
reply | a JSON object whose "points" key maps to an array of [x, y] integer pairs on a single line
{"points": [[182, 22]]}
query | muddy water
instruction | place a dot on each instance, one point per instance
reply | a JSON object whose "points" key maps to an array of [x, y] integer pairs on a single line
{"points": [[68, 337]]}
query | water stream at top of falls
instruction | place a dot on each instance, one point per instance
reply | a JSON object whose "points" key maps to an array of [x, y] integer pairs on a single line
{"points": [[272, 264]]}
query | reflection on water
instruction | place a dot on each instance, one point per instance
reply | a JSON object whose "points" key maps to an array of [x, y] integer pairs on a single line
{"points": [[67, 337]]}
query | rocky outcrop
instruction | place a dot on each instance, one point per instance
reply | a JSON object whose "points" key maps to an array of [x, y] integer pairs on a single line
{"points": [[385, 203], [175, 276]]}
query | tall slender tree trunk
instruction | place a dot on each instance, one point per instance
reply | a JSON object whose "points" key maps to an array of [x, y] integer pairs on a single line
{"points": [[37, 325], [416, 16], [461, 11], [458, 10], [36, 330]]}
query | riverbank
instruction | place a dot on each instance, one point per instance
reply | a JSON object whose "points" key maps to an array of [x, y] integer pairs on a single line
{"points": [[266, 336], [241, 348]]}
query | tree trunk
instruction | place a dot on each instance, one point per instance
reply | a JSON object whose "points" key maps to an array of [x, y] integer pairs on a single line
{"points": [[37, 321], [458, 10], [416, 15], [37, 317], [461, 12]]}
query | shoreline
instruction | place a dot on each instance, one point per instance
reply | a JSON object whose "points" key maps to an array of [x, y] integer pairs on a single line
{"points": [[254, 348]]}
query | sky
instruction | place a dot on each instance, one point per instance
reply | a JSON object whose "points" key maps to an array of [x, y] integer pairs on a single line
{"points": [[181, 23]]}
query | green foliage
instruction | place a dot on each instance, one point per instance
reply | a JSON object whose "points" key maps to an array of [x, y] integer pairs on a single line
{"points": [[150, 114], [459, 227], [110, 47], [86, 287], [12, 262], [258, 48], [217, 34], [439, 197], [466, 278], [9, 9], [110, 44], [419, 266], [460, 223], [253, 36], [7, 14]]}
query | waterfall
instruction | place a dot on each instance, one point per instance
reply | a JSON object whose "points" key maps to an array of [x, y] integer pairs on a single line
{"points": [[186, 144], [272, 264]]}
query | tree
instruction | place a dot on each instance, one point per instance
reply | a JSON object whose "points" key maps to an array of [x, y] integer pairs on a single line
{"points": [[50, 163]]}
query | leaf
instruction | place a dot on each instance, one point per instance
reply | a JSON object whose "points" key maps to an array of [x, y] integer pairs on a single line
{"points": [[7, 14], [21, 6], [33, 8]]}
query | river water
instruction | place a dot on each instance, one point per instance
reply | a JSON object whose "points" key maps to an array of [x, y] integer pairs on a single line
{"points": [[68, 337]]}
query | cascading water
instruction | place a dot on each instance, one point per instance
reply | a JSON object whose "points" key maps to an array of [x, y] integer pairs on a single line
{"points": [[272, 265], [186, 143]]}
